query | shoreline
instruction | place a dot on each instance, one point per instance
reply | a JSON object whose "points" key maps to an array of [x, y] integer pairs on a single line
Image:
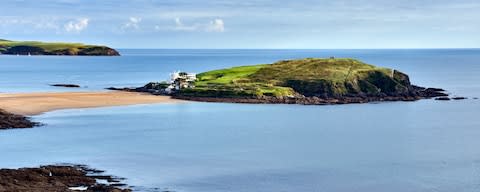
{"points": [[417, 93], [301, 101], [29, 104]]}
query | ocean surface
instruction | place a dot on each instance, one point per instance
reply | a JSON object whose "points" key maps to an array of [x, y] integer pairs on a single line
{"points": [[417, 146]]}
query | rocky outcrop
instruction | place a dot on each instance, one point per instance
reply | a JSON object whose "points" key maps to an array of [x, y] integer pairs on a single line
{"points": [[66, 85], [55, 178], [152, 87], [444, 98], [13, 121]]}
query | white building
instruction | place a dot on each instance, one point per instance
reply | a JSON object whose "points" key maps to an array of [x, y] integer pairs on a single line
{"points": [[181, 80]]}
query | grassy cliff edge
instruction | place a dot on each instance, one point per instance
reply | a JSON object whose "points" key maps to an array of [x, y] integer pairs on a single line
{"points": [[45, 48]]}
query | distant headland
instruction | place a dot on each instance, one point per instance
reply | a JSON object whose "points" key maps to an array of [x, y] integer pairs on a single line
{"points": [[302, 81], [8, 47]]}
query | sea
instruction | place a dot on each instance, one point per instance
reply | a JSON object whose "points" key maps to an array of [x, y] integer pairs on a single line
{"points": [[419, 146]]}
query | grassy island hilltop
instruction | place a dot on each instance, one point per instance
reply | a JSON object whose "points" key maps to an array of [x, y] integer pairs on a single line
{"points": [[309, 77], [8, 47], [311, 80]]}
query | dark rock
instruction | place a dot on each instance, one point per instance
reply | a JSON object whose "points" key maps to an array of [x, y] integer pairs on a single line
{"points": [[154, 85], [459, 98], [429, 92], [124, 89], [52, 178], [66, 85], [13, 121], [435, 90], [442, 99]]}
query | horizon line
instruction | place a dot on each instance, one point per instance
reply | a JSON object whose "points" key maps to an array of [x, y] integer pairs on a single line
{"points": [[295, 48]]}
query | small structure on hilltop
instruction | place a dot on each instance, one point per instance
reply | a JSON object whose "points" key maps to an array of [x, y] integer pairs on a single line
{"points": [[181, 80]]}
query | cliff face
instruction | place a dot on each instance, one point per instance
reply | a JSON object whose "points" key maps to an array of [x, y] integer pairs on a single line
{"points": [[334, 78], [40, 48], [369, 83]]}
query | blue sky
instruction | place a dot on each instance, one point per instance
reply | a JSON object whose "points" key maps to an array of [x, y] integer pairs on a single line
{"points": [[308, 24]]}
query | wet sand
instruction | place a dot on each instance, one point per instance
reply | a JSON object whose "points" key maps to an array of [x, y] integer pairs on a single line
{"points": [[37, 103]]}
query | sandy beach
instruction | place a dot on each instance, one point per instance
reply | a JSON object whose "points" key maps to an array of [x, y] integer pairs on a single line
{"points": [[37, 103]]}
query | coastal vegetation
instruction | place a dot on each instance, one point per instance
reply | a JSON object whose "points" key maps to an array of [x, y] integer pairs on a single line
{"points": [[59, 48], [235, 82], [310, 77]]}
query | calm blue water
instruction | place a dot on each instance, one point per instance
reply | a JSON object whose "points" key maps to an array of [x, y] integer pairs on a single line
{"points": [[208, 147]]}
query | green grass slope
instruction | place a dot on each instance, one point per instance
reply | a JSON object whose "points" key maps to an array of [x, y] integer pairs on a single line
{"points": [[307, 77], [57, 48]]}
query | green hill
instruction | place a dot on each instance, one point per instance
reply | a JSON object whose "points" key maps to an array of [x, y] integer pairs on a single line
{"points": [[45, 48], [323, 78]]}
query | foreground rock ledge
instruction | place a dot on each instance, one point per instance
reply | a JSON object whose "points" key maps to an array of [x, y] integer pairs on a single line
{"points": [[55, 178]]}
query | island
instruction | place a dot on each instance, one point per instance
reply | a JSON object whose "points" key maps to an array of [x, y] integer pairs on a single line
{"points": [[300, 81], [8, 47]]}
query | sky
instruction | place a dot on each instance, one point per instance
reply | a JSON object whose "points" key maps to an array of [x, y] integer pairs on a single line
{"points": [[246, 24]]}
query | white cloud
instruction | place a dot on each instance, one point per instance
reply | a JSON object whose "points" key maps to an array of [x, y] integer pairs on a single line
{"points": [[216, 25], [38, 22], [76, 26], [132, 23], [179, 26]]}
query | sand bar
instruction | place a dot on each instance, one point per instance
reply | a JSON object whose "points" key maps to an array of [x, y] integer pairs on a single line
{"points": [[37, 103]]}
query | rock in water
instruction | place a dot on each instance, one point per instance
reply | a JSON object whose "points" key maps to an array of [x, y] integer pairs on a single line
{"points": [[66, 85], [443, 99]]}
